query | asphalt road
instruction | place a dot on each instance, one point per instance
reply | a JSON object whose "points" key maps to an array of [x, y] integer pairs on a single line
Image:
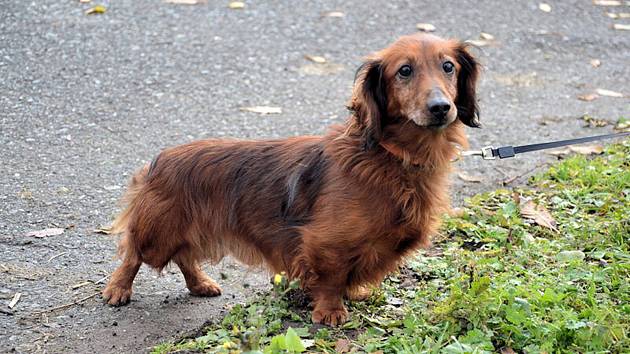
{"points": [[86, 99]]}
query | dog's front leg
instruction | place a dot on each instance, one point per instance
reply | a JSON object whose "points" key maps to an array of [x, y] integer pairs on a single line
{"points": [[328, 305]]}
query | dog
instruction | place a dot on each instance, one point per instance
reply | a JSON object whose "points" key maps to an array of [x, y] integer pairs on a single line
{"points": [[338, 212]]}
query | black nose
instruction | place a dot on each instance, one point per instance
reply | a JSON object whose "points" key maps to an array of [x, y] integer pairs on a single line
{"points": [[439, 107]]}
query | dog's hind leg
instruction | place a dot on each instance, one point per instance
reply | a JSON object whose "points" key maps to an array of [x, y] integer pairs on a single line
{"points": [[118, 290], [197, 281]]}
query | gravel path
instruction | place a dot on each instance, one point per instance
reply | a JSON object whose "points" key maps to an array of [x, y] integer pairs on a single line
{"points": [[86, 99]]}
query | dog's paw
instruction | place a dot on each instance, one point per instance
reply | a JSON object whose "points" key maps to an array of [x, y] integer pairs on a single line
{"points": [[205, 288], [330, 317], [117, 296]]}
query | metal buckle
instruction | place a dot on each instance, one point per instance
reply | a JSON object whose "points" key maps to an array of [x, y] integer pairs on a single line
{"points": [[486, 153]]}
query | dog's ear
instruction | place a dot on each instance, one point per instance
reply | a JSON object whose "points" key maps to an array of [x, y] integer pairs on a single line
{"points": [[369, 102], [466, 100]]}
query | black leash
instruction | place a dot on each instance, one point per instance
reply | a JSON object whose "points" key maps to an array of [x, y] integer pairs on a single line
{"points": [[491, 153]]}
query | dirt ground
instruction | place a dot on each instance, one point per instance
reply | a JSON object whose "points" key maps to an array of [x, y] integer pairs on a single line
{"points": [[86, 99]]}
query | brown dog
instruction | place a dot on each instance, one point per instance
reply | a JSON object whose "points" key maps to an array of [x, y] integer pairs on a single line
{"points": [[338, 212]]}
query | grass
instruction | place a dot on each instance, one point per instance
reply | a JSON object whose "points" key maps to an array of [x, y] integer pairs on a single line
{"points": [[494, 282]]}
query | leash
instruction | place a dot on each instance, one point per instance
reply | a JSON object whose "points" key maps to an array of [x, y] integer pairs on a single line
{"points": [[491, 153]]}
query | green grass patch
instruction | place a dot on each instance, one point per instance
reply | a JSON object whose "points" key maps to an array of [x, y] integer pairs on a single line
{"points": [[495, 281]]}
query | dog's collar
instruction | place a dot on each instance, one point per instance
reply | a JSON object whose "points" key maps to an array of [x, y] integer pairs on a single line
{"points": [[405, 157]]}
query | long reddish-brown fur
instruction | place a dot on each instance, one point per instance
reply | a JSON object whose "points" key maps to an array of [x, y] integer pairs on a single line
{"points": [[338, 212]]}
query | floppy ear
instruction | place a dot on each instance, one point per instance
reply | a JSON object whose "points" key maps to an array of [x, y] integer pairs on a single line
{"points": [[369, 102], [466, 100]]}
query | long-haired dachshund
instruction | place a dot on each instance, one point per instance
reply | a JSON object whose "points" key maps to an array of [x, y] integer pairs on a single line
{"points": [[338, 212]]}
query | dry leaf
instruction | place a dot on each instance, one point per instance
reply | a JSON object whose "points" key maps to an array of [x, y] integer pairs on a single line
{"points": [[537, 213], [457, 212], [596, 63], [98, 9], [316, 59], [478, 42], [607, 2], [236, 5], [544, 7], [15, 300], [321, 69], [45, 232], [623, 126], [262, 109], [425, 27], [342, 346], [582, 149], [587, 149], [334, 14], [468, 178], [603, 92], [588, 97], [507, 350], [618, 15], [103, 230], [594, 122], [185, 2], [621, 27], [486, 36]]}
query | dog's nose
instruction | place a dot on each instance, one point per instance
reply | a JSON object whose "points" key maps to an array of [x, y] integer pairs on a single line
{"points": [[439, 107]]}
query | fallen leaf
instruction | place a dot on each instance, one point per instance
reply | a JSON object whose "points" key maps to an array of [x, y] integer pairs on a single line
{"points": [[333, 14], [468, 178], [457, 212], [316, 59], [596, 63], [621, 27], [236, 5], [15, 300], [618, 15], [544, 7], [580, 149], [425, 27], [486, 36], [478, 42], [46, 232], [623, 125], [607, 2], [394, 301], [537, 213], [587, 149], [507, 350], [588, 97], [603, 92], [567, 256], [262, 109], [594, 122], [185, 2], [98, 9], [308, 343], [516, 198], [321, 69], [342, 346], [103, 230]]}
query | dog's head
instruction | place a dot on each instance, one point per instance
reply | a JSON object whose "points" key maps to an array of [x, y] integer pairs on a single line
{"points": [[422, 78]]}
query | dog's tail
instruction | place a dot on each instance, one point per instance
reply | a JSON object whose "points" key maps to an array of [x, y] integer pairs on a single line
{"points": [[130, 202]]}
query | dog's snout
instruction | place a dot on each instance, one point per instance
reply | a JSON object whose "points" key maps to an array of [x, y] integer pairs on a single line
{"points": [[439, 107]]}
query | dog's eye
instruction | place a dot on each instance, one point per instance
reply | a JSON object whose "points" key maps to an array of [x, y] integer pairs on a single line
{"points": [[405, 71], [448, 67]]}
